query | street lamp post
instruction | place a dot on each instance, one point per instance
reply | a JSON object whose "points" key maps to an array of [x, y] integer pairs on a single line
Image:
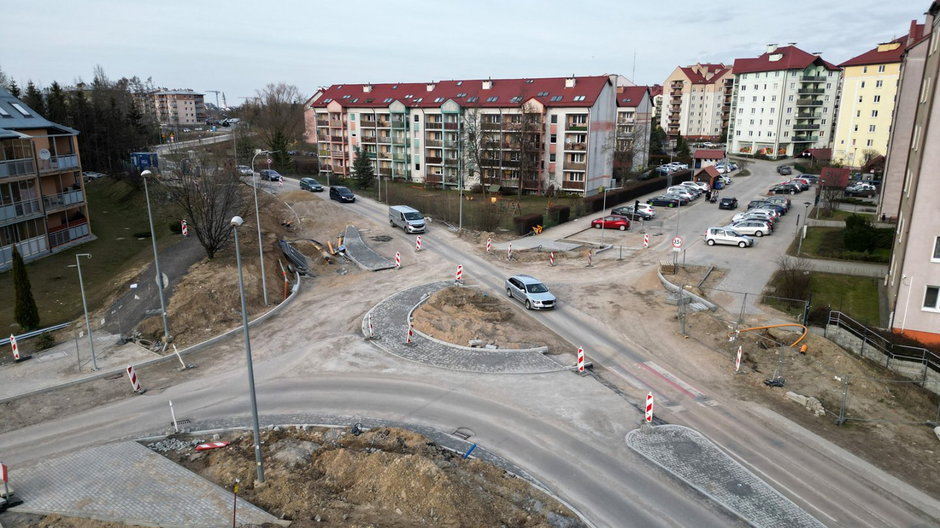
{"points": [[254, 186], [156, 260], [604, 213], [259, 462], [799, 233], [81, 285]]}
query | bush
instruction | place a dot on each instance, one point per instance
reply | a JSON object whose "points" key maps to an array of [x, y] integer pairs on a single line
{"points": [[819, 315], [859, 234], [176, 228], [45, 341], [525, 223], [559, 213]]}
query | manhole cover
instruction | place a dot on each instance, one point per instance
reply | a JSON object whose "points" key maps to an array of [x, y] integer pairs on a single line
{"points": [[740, 489], [381, 238]]}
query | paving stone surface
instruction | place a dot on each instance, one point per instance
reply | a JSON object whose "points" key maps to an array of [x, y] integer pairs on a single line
{"points": [[696, 460], [390, 324], [362, 254], [126, 482]]}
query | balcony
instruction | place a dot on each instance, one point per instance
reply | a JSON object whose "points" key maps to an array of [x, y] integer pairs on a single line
{"points": [[366, 124], [811, 78], [19, 210], [568, 185], [489, 126], [26, 248], [385, 140], [368, 139], [433, 125], [338, 123], [336, 139], [802, 90], [576, 127], [432, 160], [808, 102], [67, 233], [65, 199], [323, 123], [17, 167], [808, 115], [805, 126], [575, 146], [400, 157], [383, 123], [570, 165], [398, 124], [58, 163], [450, 126], [323, 153], [433, 143], [805, 139], [450, 162]]}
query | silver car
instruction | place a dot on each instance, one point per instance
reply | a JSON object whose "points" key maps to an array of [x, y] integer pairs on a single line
{"points": [[726, 235], [533, 294], [756, 228]]}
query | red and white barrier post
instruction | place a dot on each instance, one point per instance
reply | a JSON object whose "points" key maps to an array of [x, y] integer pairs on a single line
{"points": [[371, 328], [5, 477], [646, 241], [184, 227], [411, 327], [459, 278], [551, 258], [16, 349], [590, 258], [509, 252], [418, 243], [737, 360], [135, 382], [489, 244], [649, 408], [581, 360], [397, 260]]}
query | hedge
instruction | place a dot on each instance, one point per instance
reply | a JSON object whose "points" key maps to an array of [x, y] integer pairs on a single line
{"points": [[525, 223]]}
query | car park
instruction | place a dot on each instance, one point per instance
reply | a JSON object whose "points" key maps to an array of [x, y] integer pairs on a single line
{"points": [[752, 227], [611, 222], [727, 236], [342, 194], [728, 203], [309, 184], [533, 294], [244, 170], [271, 175], [643, 212], [752, 215], [665, 200]]}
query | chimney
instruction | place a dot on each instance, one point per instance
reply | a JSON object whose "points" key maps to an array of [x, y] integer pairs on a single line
{"points": [[771, 48], [817, 53], [570, 81], [791, 43], [367, 88], [488, 84], [430, 86]]}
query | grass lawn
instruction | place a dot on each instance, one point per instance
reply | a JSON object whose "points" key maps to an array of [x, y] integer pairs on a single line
{"points": [[826, 242], [838, 214], [117, 212], [856, 296]]}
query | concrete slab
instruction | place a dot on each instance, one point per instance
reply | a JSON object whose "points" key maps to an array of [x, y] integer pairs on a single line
{"points": [[363, 255]]}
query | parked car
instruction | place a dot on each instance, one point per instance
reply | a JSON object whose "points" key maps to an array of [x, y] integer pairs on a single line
{"points": [[271, 175], [728, 236], [701, 186], [665, 200], [752, 215], [533, 294], [811, 178], [728, 203], [861, 189], [784, 188], [309, 184], [679, 190], [680, 166], [782, 201], [244, 170], [800, 184], [611, 222], [767, 204], [757, 228], [784, 170], [90, 175], [644, 212], [342, 194]]}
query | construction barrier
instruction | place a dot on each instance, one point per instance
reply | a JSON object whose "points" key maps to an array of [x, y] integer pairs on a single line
{"points": [[551, 258], [580, 360], [459, 277], [135, 382], [737, 360], [397, 260], [410, 333], [646, 241], [509, 252], [418, 243], [16, 349], [185, 228], [489, 244], [649, 408]]}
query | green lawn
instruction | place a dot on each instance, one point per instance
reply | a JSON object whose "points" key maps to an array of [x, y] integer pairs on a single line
{"points": [[856, 296], [838, 214], [826, 242], [117, 212]]}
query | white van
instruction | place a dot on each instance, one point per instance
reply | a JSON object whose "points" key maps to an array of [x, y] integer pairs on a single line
{"points": [[407, 218]]}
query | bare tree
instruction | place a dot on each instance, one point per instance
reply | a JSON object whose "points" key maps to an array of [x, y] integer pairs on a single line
{"points": [[277, 115], [480, 146]]}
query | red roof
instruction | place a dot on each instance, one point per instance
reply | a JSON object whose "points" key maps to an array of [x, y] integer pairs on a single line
{"points": [[833, 177], [712, 73], [792, 58], [631, 96], [711, 171], [709, 154], [656, 89], [507, 92], [873, 56]]}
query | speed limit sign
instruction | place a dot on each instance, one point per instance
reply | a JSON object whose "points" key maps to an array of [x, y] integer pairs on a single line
{"points": [[677, 242], [269, 161]]}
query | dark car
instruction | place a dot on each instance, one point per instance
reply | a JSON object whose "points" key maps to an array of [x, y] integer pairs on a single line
{"points": [[768, 204], [662, 199], [309, 184], [784, 188], [728, 203], [782, 201], [271, 175], [784, 170], [341, 194], [645, 212]]}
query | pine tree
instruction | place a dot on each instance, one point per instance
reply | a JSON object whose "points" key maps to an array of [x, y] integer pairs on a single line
{"points": [[24, 311], [682, 148], [362, 170], [33, 99]]}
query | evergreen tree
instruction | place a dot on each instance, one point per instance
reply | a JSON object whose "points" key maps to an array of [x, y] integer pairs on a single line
{"points": [[57, 109], [658, 141], [362, 170], [13, 88], [24, 311], [33, 99], [682, 148]]}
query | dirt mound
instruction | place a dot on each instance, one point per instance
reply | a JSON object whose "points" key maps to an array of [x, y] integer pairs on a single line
{"points": [[383, 477], [459, 314]]}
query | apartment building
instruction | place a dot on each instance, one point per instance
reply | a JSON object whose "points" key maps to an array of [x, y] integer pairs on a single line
{"points": [[697, 102], [634, 120], [42, 196], [783, 103], [656, 94], [175, 108], [533, 134], [913, 280], [869, 87]]}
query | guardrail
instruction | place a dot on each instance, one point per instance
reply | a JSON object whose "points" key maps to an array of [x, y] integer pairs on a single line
{"points": [[34, 333]]}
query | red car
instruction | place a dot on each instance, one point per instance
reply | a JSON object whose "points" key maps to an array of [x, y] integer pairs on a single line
{"points": [[612, 222]]}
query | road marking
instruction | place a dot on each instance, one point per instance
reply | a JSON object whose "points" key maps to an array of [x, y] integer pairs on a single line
{"points": [[671, 379]]}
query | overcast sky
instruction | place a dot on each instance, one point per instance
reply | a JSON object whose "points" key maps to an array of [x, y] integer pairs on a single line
{"points": [[239, 46]]}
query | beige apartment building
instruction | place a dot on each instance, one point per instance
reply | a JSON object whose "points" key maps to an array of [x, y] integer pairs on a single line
{"points": [[697, 101], [533, 134], [867, 98], [42, 196], [634, 120], [913, 280], [177, 108]]}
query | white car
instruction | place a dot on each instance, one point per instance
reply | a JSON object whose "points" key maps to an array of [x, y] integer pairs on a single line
{"points": [[681, 191], [727, 236], [701, 186], [751, 215], [753, 227], [244, 170]]}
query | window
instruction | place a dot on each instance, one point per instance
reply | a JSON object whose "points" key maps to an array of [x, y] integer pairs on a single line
{"points": [[492, 98], [881, 68], [327, 100], [860, 98], [356, 100], [932, 299], [553, 138], [754, 99], [556, 98], [864, 69], [877, 99], [462, 94], [438, 99], [419, 99], [416, 118], [871, 128], [408, 96], [855, 128], [417, 166], [554, 118], [874, 113], [870, 142], [473, 99], [878, 84], [542, 94], [516, 99], [579, 98], [4, 113], [862, 85], [551, 157], [387, 100], [346, 96], [936, 250]]}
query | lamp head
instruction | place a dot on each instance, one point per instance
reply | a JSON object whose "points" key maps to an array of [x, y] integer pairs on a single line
{"points": [[146, 173], [237, 221]]}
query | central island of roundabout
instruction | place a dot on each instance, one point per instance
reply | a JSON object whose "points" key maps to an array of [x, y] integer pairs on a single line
{"points": [[389, 323]]}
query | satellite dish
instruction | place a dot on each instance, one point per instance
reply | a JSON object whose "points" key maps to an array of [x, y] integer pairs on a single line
{"points": [[44, 154]]}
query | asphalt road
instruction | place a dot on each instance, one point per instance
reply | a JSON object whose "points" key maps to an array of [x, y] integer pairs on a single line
{"points": [[565, 430]]}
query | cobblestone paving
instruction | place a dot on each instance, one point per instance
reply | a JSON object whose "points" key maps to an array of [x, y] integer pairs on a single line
{"points": [[126, 482], [362, 254], [390, 323], [688, 455]]}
